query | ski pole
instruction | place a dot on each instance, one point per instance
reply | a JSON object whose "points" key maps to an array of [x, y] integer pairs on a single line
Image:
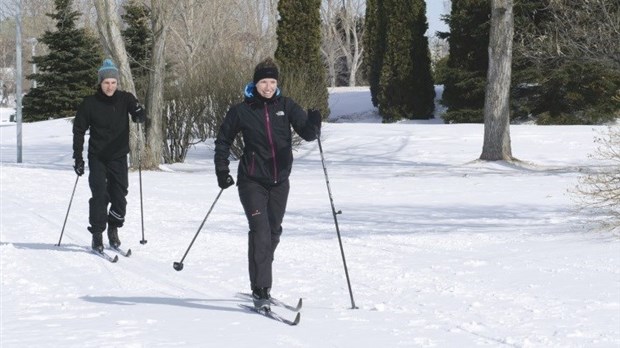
{"points": [[66, 216], [335, 213], [143, 241], [179, 265]]}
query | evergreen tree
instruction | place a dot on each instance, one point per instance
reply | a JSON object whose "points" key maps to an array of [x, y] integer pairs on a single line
{"points": [[465, 79], [138, 38], [68, 72], [303, 74], [558, 91], [530, 17], [406, 88], [564, 90], [577, 93], [423, 98], [374, 46]]}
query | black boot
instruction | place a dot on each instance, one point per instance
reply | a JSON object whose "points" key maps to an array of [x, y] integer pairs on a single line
{"points": [[255, 288], [261, 298], [97, 243], [113, 237]]}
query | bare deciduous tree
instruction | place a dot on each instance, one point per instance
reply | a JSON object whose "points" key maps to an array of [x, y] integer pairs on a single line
{"points": [[256, 22], [34, 23], [579, 31], [89, 13], [191, 35], [342, 32], [599, 190], [162, 13], [496, 144], [8, 11], [212, 61], [352, 41], [330, 47], [438, 48], [197, 105]]}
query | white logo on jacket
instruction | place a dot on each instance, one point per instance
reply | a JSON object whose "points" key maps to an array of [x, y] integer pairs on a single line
{"points": [[280, 113]]}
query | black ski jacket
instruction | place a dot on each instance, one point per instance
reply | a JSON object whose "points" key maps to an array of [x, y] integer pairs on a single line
{"points": [[106, 117], [267, 137]]}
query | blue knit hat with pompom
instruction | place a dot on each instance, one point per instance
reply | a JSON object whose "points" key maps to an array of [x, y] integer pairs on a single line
{"points": [[107, 71]]}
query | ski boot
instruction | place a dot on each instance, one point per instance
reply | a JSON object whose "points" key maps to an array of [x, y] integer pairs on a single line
{"points": [[97, 243], [113, 237], [261, 299]]}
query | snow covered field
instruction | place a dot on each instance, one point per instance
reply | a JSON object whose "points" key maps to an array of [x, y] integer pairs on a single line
{"points": [[442, 250]]}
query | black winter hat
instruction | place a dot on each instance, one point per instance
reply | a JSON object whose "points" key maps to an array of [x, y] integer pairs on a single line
{"points": [[267, 69]]}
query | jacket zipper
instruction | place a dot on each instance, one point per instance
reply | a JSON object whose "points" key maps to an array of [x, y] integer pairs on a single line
{"points": [[271, 145], [252, 163]]}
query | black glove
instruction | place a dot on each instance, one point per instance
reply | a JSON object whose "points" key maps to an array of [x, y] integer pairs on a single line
{"points": [[79, 166], [314, 117], [224, 180], [139, 115]]}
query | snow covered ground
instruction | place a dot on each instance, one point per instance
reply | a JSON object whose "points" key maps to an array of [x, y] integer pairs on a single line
{"points": [[442, 250]]}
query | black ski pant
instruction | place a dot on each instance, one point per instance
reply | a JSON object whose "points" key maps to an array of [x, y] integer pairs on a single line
{"points": [[108, 185], [264, 208]]}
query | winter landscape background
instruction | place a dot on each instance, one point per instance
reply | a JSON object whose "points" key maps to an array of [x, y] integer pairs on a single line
{"points": [[442, 250]]}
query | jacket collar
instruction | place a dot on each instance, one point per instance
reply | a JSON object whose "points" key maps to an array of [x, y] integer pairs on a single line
{"points": [[252, 96], [104, 98]]}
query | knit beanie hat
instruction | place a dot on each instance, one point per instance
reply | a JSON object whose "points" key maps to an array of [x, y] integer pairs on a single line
{"points": [[107, 71], [267, 69]]}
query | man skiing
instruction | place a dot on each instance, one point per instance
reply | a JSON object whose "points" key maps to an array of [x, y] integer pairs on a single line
{"points": [[105, 114]]}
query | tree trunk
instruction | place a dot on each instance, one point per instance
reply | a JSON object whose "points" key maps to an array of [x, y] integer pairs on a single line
{"points": [[153, 151], [108, 24], [496, 145], [330, 48]]}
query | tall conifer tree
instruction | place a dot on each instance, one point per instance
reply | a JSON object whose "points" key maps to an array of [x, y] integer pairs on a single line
{"points": [[68, 72], [374, 46], [424, 85], [468, 60], [406, 88], [303, 74]]}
